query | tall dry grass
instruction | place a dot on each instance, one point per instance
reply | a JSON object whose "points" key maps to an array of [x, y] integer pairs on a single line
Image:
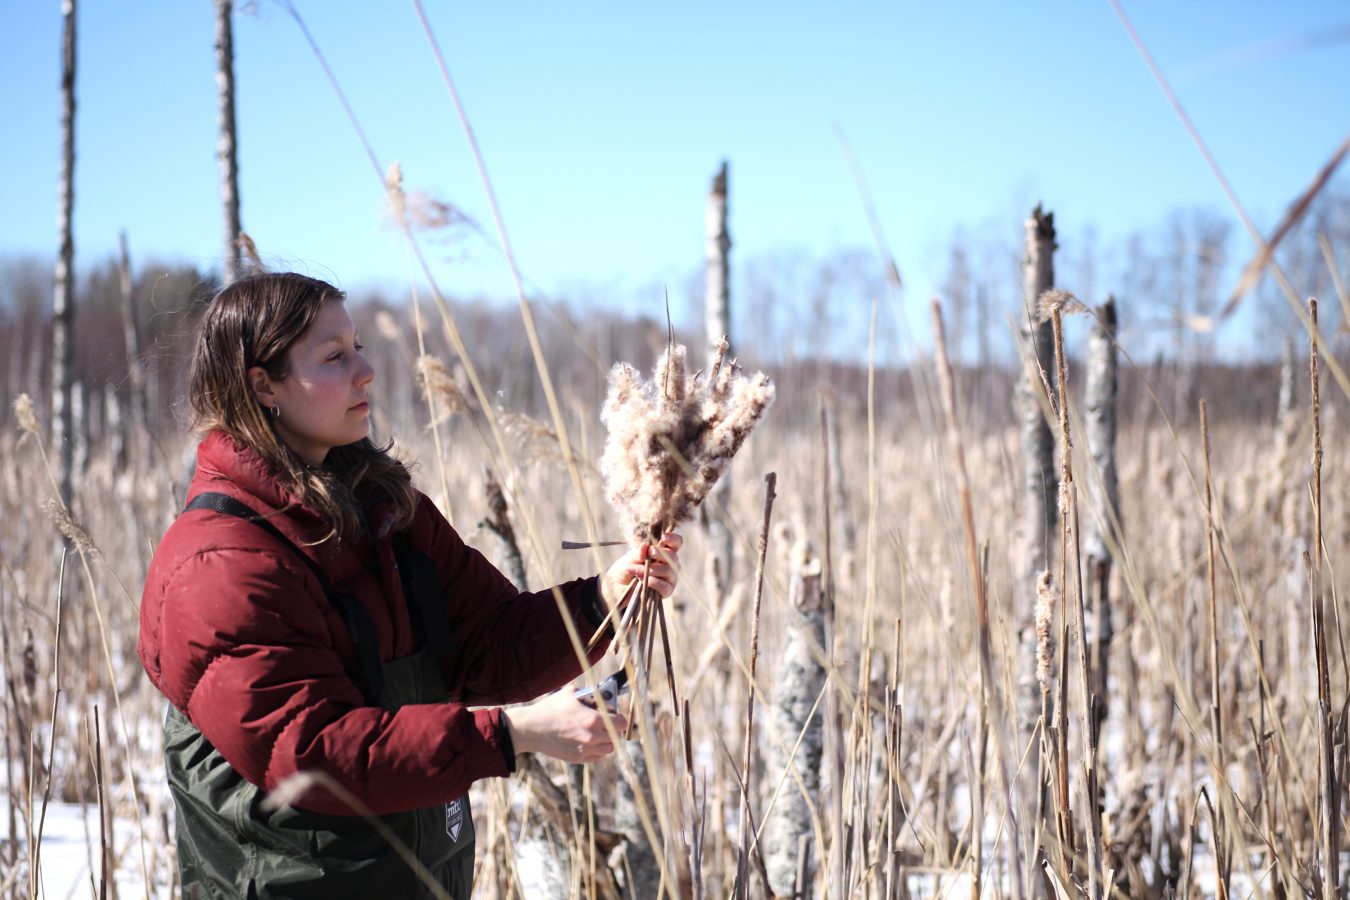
{"points": [[912, 799]]}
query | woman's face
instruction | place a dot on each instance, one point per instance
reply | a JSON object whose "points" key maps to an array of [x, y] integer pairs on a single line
{"points": [[322, 400]]}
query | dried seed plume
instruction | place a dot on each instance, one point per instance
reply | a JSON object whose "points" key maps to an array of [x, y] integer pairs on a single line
{"points": [[439, 385], [66, 524], [23, 411], [671, 438], [1064, 301]]}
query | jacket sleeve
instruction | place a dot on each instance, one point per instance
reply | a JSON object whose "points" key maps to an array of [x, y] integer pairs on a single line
{"points": [[245, 651], [509, 645]]}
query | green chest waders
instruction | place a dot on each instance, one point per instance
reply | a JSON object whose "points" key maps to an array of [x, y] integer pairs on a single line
{"points": [[229, 846]]}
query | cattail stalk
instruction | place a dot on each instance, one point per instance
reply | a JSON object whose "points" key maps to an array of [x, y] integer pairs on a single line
{"points": [[1329, 795], [1215, 663], [697, 821], [747, 847], [104, 813], [1047, 603], [834, 708], [989, 694], [1070, 550]]}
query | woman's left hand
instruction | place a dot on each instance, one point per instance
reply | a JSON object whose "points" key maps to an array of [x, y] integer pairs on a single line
{"points": [[661, 578]]}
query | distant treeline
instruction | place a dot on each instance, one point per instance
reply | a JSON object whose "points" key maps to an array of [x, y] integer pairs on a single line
{"points": [[579, 349]]}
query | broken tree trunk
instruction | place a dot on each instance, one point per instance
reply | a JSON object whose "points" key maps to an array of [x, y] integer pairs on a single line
{"points": [[227, 147], [1040, 478], [63, 300], [499, 523], [541, 852], [633, 861], [717, 323], [1103, 523], [798, 685]]}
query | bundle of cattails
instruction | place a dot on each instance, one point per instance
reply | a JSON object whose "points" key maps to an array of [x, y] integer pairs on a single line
{"points": [[670, 440]]}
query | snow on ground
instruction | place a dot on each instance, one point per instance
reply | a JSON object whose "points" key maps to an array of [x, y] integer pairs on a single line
{"points": [[69, 853]]}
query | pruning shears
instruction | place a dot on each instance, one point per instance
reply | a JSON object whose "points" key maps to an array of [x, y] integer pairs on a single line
{"points": [[608, 691]]}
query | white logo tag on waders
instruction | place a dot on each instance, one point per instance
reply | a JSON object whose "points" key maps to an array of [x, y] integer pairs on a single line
{"points": [[454, 818]]}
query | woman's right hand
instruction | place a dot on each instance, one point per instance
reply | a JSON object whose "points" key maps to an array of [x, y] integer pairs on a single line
{"points": [[563, 727]]}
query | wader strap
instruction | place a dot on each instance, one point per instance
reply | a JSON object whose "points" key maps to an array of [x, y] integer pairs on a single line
{"points": [[353, 613], [422, 591]]}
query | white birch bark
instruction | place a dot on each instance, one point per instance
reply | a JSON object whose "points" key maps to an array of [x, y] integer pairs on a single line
{"points": [[717, 322], [1101, 525], [799, 682], [226, 147], [63, 301]]}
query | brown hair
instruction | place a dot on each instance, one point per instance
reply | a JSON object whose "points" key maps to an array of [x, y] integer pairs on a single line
{"points": [[255, 322]]}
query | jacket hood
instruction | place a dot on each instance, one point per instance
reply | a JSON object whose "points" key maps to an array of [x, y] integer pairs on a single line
{"points": [[222, 458]]}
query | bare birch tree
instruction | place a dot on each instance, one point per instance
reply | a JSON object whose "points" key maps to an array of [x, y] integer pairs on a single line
{"points": [[717, 321], [797, 687], [63, 300], [226, 147], [1102, 525]]}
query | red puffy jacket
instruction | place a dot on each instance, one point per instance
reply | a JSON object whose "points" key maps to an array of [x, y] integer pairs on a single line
{"points": [[239, 635]]}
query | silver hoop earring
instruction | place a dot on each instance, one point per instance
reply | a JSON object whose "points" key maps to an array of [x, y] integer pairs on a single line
{"points": [[276, 411]]}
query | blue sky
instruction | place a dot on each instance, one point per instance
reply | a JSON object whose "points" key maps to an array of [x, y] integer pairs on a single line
{"points": [[602, 125]]}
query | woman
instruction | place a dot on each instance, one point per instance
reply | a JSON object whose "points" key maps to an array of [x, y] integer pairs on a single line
{"points": [[310, 611]]}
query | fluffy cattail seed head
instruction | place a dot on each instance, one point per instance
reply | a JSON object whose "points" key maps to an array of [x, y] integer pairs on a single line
{"points": [[671, 438]]}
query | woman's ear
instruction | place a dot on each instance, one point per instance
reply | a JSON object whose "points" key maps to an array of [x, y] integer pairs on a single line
{"points": [[261, 383]]}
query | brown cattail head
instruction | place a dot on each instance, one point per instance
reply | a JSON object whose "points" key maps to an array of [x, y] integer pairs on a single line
{"points": [[672, 438], [29, 664], [1047, 596]]}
